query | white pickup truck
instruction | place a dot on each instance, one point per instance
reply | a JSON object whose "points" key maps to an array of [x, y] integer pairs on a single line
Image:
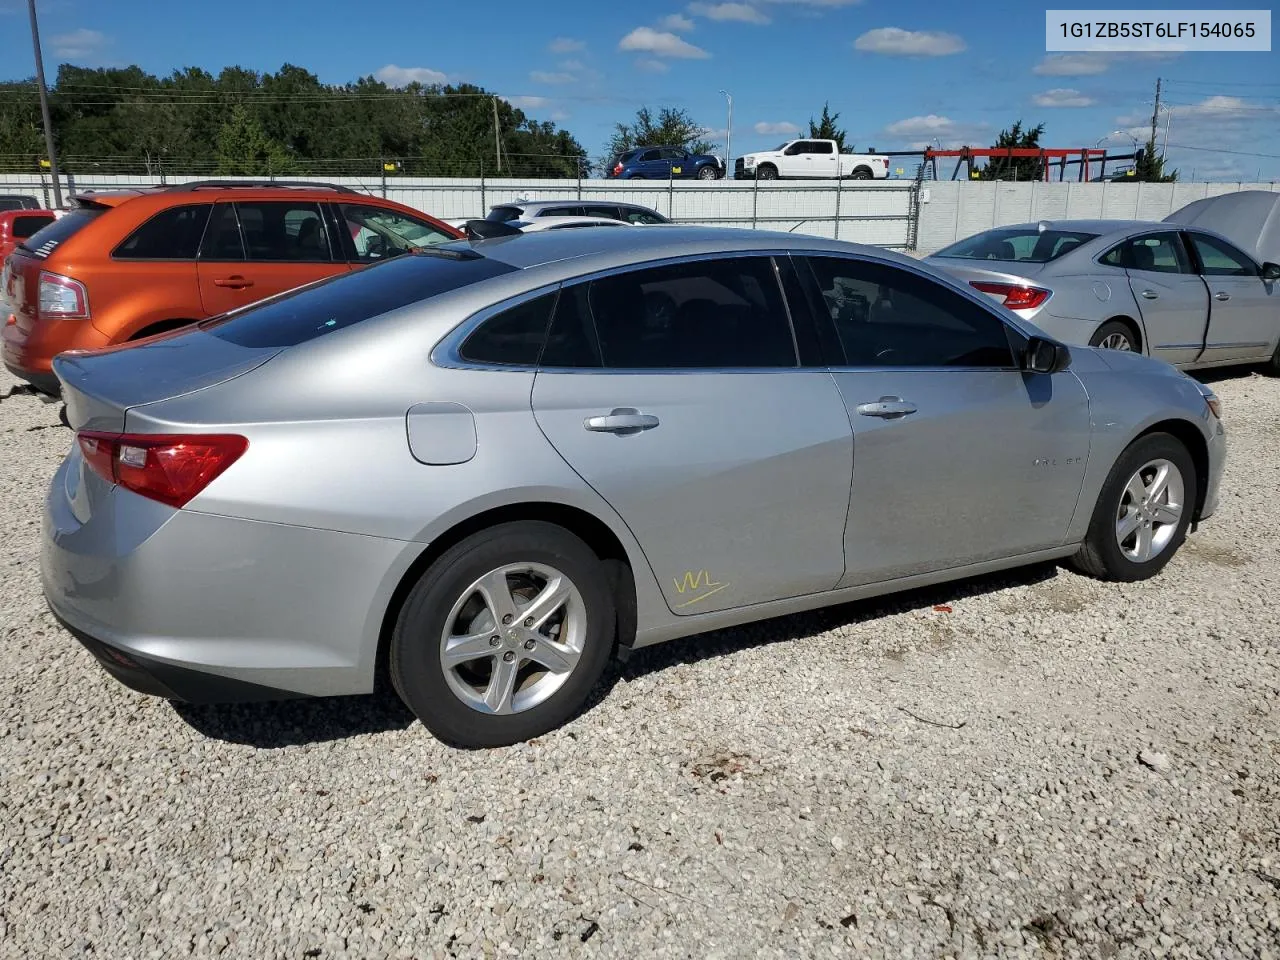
{"points": [[810, 159]]}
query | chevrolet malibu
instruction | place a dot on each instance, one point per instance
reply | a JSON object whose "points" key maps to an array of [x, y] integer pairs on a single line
{"points": [[486, 468]]}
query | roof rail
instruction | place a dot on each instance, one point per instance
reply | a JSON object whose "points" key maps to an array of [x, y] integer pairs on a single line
{"points": [[237, 184]]}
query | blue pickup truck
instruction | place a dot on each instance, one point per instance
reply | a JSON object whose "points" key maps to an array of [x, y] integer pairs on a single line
{"points": [[662, 163]]}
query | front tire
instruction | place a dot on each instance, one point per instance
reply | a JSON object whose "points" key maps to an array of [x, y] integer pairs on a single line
{"points": [[1144, 510], [1272, 367], [767, 172], [1114, 335], [707, 173], [504, 636]]}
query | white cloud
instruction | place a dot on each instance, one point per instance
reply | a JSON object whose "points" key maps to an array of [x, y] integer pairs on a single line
{"points": [[1072, 65], [394, 76], [782, 127], [828, 4], [542, 76], [528, 103], [676, 23], [559, 116], [572, 65], [565, 45], [652, 66], [660, 44], [724, 12], [896, 42], [1063, 97], [78, 43], [923, 130]]}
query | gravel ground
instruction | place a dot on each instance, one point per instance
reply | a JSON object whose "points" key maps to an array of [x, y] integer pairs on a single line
{"points": [[1030, 765]]}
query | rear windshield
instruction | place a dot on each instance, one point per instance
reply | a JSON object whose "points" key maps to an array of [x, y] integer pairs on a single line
{"points": [[1017, 245], [43, 241], [504, 214], [25, 226], [351, 298]]}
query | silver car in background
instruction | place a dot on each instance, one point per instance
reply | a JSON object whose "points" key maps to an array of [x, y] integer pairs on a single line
{"points": [[1184, 294], [487, 467]]}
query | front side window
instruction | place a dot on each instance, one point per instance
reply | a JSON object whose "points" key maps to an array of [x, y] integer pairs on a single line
{"points": [[1154, 252], [378, 233], [172, 234], [889, 317], [512, 337], [1218, 259], [711, 314]]}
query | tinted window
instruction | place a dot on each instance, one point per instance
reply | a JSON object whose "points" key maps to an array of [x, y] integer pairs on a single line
{"points": [[504, 214], [514, 336], [1025, 244], [608, 211], [709, 313], [561, 212], [1218, 259], [377, 232], [18, 203], [671, 153], [61, 230], [649, 155], [222, 237], [571, 341], [818, 146], [350, 298], [1155, 252], [172, 234], [641, 215], [283, 230], [26, 226], [888, 317]]}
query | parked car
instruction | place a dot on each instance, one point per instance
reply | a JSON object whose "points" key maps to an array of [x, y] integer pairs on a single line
{"points": [[664, 163], [18, 201], [125, 265], [809, 159], [18, 225], [584, 442], [566, 223], [529, 210], [1186, 295]]}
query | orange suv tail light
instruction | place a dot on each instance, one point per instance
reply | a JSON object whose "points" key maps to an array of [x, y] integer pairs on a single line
{"points": [[62, 298]]}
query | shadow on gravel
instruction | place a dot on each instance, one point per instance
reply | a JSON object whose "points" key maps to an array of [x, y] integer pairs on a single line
{"points": [[1221, 374], [291, 723], [723, 643]]}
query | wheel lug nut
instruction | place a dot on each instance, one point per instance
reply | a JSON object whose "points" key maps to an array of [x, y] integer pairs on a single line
{"points": [[529, 644], [528, 621], [494, 641], [508, 656], [508, 618]]}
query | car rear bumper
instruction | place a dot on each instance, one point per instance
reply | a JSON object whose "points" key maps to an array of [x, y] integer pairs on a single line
{"points": [[208, 608]]}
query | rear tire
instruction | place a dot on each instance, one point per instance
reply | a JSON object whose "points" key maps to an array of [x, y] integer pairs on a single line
{"points": [[1143, 512], [862, 173], [498, 687], [1115, 335]]}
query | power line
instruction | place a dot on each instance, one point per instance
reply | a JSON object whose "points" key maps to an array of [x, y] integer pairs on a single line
{"points": [[1219, 83], [1234, 153]]}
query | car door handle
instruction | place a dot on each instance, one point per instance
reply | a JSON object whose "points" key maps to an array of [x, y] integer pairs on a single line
{"points": [[235, 283], [1150, 295], [887, 408], [621, 420], [1222, 295]]}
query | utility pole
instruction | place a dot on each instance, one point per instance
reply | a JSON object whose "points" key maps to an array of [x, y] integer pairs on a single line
{"points": [[1155, 114], [728, 137], [497, 138], [44, 107]]}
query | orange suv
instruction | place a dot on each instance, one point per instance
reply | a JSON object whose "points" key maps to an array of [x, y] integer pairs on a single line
{"points": [[123, 265]]}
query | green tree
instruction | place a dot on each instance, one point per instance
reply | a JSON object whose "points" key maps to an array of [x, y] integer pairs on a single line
{"points": [[21, 132], [672, 127], [245, 149], [825, 128], [1015, 168], [1150, 166]]}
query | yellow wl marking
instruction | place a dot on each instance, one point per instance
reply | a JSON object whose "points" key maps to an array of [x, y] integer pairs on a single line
{"points": [[692, 582]]}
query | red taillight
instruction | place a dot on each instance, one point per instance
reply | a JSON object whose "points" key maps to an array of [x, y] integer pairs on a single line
{"points": [[617, 170], [164, 467], [1016, 296]]}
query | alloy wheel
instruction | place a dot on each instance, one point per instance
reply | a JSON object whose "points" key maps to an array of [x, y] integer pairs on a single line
{"points": [[1116, 341], [1150, 510]]}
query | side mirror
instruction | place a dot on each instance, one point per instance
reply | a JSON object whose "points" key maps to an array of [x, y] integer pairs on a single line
{"points": [[1045, 356], [1271, 271]]}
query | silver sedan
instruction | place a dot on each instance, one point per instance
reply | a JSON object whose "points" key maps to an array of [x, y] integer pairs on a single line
{"points": [[486, 468], [1187, 295]]}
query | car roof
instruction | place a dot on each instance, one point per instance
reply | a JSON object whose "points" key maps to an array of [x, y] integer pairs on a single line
{"points": [[226, 189], [1101, 227], [570, 201]]}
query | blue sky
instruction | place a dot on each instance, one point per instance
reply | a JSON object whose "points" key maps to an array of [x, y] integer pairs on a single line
{"points": [[899, 74]]}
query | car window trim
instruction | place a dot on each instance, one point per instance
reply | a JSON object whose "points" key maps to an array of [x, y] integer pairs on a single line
{"points": [[245, 246], [845, 366], [116, 256]]}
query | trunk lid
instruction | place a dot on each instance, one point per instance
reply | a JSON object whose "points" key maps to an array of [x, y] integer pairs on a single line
{"points": [[100, 386]]}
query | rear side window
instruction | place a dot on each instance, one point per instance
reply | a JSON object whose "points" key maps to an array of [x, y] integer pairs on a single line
{"points": [[1017, 244], [283, 231], [512, 337], [172, 234], [24, 227], [818, 146], [640, 215], [46, 239], [222, 240], [352, 298]]}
